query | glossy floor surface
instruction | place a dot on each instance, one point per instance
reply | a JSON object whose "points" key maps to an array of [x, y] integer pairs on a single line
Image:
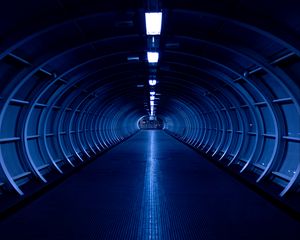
{"points": [[150, 187]]}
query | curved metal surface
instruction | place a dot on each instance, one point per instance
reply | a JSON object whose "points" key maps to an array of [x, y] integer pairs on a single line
{"points": [[228, 86]]}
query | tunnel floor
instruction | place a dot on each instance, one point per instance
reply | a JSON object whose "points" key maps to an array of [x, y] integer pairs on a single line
{"points": [[150, 187]]}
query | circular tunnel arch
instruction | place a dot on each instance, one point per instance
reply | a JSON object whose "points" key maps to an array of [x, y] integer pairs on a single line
{"points": [[232, 85], [150, 122]]}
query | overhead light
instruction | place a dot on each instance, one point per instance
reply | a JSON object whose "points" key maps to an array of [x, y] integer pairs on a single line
{"points": [[152, 98], [152, 110], [152, 93], [153, 23], [152, 82], [151, 103], [152, 57]]}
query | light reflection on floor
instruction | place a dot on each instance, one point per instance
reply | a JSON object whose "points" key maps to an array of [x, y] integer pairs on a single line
{"points": [[150, 221]]}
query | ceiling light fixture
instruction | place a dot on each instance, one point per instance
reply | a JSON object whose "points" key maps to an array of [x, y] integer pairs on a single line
{"points": [[153, 23], [152, 82], [152, 57]]}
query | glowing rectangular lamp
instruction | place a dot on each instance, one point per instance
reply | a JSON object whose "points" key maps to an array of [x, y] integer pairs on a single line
{"points": [[153, 23], [151, 103], [152, 82], [152, 98], [152, 93], [152, 57], [152, 110]]}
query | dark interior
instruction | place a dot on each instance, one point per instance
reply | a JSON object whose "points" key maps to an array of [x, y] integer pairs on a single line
{"points": [[74, 86]]}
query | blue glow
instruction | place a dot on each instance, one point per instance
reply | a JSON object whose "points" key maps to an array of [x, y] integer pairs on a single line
{"points": [[150, 221]]}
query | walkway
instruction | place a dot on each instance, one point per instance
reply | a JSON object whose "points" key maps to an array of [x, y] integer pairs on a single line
{"points": [[150, 187]]}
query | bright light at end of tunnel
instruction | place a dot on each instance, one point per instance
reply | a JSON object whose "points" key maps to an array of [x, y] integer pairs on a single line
{"points": [[153, 23], [152, 57], [152, 82], [152, 110]]}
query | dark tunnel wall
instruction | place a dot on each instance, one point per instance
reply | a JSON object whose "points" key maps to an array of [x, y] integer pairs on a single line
{"points": [[228, 85], [245, 109]]}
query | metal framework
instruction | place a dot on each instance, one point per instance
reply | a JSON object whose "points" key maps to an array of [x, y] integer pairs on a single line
{"points": [[229, 88]]}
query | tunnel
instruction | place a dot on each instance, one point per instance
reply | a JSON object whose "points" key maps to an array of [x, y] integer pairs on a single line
{"points": [[219, 107]]}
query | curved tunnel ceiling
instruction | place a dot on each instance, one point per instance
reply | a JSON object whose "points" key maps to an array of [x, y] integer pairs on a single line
{"points": [[228, 84]]}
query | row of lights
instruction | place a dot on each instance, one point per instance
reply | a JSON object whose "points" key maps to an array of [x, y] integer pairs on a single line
{"points": [[153, 29]]}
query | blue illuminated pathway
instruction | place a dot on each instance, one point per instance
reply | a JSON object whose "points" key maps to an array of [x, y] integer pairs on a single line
{"points": [[150, 187]]}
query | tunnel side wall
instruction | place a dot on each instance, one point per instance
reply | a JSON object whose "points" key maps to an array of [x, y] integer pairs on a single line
{"points": [[251, 124], [49, 125]]}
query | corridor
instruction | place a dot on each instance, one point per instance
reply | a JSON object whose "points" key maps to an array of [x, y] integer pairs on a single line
{"points": [[150, 187]]}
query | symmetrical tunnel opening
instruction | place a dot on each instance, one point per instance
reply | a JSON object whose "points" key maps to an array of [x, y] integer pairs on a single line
{"points": [[150, 122], [228, 86]]}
